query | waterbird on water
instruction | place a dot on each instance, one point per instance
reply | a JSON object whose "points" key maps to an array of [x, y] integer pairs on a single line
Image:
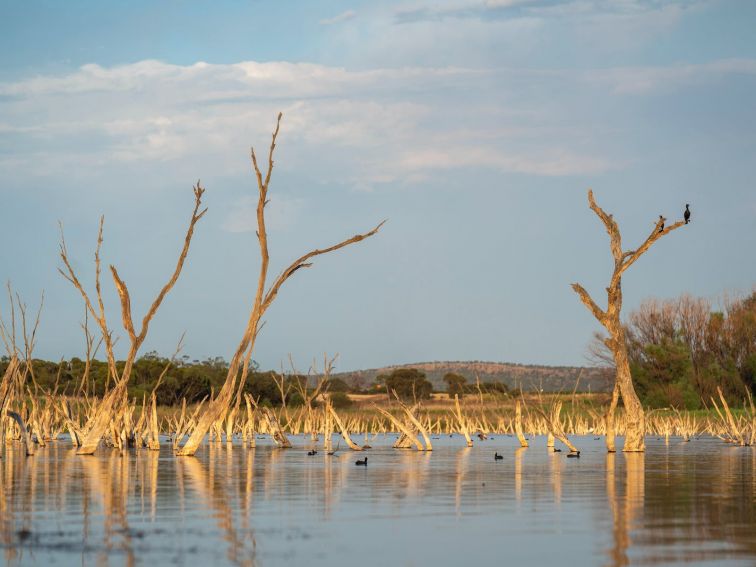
{"points": [[498, 457], [686, 215], [311, 453], [575, 455], [361, 462]]}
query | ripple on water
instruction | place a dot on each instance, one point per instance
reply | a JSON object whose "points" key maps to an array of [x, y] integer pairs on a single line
{"points": [[678, 503]]}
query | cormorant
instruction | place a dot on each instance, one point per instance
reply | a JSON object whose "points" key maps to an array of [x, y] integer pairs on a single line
{"points": [[556, 450], [575, 455], [498, 457], [686, 215], [361, 462], [311, 453], [661, 220]]}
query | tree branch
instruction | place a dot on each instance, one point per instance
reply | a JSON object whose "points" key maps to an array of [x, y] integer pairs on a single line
{"points": [[302, 262], [655, 235], [598, 313], [611, 227]]}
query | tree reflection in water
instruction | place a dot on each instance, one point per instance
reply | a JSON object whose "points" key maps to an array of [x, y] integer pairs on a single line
{"points": [[232, 505]]}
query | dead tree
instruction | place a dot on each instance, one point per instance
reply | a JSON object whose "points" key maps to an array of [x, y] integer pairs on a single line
{"points": [[610, 319], [108, 408], [264, 297], [311, 395], [13, 384]]}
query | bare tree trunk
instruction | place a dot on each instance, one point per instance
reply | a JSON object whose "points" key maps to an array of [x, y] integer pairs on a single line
{"points": [[464, 429], [263, 300], [610, 424], [99, 421], [518, 425], [25, 435], [408, 434], [344, 433], [279, 437], [610, 319]]}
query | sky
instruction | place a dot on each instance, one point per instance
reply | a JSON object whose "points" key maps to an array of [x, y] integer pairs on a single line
{"points": [[475, 127]]}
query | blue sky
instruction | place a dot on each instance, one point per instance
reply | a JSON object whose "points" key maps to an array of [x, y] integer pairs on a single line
{"points": [[475, 127]]}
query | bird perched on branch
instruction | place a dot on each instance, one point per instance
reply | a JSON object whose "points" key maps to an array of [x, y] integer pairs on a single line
{"points": [[686, 215], [661, 220]]}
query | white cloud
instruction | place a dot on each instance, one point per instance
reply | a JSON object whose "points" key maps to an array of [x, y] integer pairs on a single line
{"points": [[553, 163], [343, 17], [644, 80], [362, 128]]}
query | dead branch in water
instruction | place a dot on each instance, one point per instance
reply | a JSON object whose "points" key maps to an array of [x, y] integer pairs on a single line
{"points": [[264, 296], [98, 423]]}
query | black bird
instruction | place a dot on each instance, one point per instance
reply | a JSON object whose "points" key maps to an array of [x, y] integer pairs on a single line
{"points": [[311, 453], [575, 455], [361, 462], [686, 215], [557, 450], [661, 220], [498, 457]]}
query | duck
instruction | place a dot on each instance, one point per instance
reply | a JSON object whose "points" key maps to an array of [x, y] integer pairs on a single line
{"points": [[361, 462], [498, 457], [311, 453], [575, 455]]}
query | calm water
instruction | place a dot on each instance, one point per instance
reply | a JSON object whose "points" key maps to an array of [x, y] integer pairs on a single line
{"points": [[683, 503]]}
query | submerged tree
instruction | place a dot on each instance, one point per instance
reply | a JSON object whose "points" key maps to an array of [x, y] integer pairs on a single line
{"points": [[610, 319], [232, 387], [116, 398]]}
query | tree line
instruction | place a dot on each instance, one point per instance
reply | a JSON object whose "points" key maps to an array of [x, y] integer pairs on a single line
{"points": [[196, 380], [682, 349]]}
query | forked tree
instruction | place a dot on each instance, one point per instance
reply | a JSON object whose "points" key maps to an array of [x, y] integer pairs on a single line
{"points": [[107, 410], [610, 319], [264, 297]]}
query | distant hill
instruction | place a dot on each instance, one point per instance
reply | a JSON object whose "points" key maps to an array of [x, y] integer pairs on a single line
{"points": [[515, 376]]}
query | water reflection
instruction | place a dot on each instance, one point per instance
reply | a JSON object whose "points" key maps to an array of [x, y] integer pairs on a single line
{"points": [[625, 503], [233, 505]]}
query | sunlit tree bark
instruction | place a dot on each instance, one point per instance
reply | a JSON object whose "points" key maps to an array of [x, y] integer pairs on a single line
{"points": [[610, 319], [108, 408], [264, 297]]}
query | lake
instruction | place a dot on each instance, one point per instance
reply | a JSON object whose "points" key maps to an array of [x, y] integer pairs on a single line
{"points": [[692, 503]]}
